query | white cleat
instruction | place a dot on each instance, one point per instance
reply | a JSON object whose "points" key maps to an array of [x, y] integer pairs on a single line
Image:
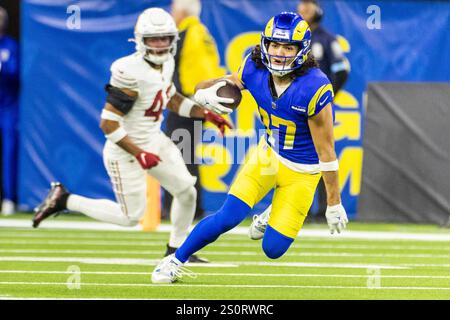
{"points": [[258, 227], [8, 207], [169, 270]]}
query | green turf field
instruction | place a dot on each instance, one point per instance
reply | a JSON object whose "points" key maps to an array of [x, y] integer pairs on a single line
{"points": [[55, 263]]}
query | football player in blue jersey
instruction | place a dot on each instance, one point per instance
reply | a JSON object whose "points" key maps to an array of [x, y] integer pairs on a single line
{"points": [[294, 100]]}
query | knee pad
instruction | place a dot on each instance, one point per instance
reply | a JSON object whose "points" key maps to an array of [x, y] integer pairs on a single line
{"points": [[189, 195], [274, 243]]}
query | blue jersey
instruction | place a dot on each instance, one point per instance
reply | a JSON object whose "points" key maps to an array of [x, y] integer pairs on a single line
{"points": [[286, 117]]}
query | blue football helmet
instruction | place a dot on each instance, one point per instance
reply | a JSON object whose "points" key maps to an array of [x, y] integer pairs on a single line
{"points": [[286, 27]]}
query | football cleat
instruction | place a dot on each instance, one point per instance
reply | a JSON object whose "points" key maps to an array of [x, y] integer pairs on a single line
{"points": [[169, 270], [258, 227], [192, 259], [54, 203]]}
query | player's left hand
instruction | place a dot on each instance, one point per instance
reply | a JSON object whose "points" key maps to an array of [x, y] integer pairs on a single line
{"points": [[148, 160], [336, 218], [218, 121], [209, 99]]}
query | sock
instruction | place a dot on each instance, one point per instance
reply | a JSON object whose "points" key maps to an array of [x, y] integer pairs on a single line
{"points": [[265, 215], [275, 244], [99, 209], [181, 215], [210, 228]]}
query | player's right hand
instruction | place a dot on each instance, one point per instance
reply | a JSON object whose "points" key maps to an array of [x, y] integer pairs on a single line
{"points": [[147, 160], [209, 99], [336, 218]]}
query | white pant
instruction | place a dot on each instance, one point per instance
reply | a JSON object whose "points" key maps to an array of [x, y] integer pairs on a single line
{"points": [[129, 180], [130, 188]]}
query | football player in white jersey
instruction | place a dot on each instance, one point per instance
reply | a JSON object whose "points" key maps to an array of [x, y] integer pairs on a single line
{"points": [[139, 89]]}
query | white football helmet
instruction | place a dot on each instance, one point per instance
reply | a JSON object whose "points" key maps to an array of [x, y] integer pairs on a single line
{"points": [[155, 22]]}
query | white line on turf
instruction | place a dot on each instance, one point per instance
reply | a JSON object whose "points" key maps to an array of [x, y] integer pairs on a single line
{"points": [[232, 253], [71, 225], [322, 233], [121, 261], [90, 298], [237, 286], [239, 242], [303, 244], [221, 244], [214, 274], [149, 262], [82, 242]]}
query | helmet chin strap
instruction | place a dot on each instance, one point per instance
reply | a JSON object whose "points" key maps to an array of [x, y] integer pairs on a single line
{"points": [[156, 59], [280, 72]]}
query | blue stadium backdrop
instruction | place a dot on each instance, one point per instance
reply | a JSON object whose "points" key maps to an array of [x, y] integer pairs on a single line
{"points": [[64, 70]]}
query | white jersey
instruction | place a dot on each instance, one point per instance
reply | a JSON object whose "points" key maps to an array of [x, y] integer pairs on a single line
{"points": [[154, 88]]}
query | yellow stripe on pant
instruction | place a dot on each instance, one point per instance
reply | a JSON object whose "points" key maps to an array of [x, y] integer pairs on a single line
{"points": [[294, 191]]}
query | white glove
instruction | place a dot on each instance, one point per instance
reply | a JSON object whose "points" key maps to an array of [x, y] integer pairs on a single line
{"points": [[336, 218], [210, 100]]}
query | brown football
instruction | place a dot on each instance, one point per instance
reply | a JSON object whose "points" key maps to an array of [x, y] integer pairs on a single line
{"points": [[230, 90]]}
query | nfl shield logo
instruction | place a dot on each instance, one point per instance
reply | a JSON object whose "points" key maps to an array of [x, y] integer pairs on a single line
{"points": [[274, 105]]}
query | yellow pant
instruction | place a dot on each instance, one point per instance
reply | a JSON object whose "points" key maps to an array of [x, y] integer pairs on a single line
{"points": [[294, 191]]}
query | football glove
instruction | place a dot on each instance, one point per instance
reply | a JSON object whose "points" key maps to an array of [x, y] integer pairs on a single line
{"points": [[336, 218], [209, 99], [218, 121], [147, 160]]}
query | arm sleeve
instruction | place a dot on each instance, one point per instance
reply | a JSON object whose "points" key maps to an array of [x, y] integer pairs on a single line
{"points": [[199, 59], [322, 96]]}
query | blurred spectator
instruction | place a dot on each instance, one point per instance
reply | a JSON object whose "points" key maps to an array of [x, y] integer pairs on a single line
{"points": [[324, 46], [328, 53], [197, 59], [9, 96]]}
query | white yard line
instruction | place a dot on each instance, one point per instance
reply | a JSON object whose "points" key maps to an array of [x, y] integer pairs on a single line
{"points": [[82, 242], [226, 243], [237, 286], [89, 298], [116, 261], [215, 274], [151, 262], [323, 233], [234, 253], [140, 243], [70, 225]]}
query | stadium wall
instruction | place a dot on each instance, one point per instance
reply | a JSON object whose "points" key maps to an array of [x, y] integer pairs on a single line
{"points": [[406, 170], [65, 66]]}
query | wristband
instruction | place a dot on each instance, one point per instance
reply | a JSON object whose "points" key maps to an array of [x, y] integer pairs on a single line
{"points": [[186, 107], [116, 135], [329, 166], [335, 207], [109, 115]]}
